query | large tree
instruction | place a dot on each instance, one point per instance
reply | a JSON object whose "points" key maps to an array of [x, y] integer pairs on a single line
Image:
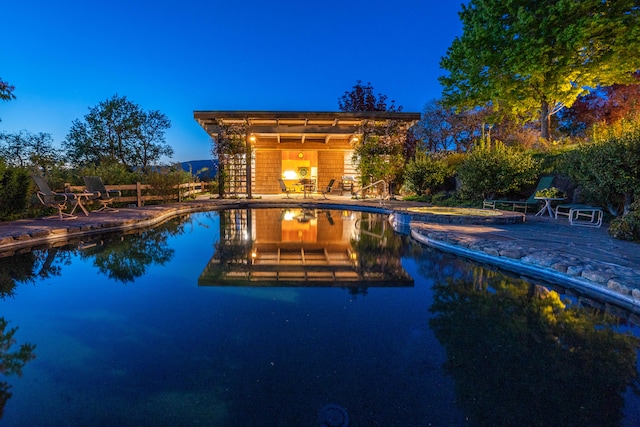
{"points": [[119, 131], [530, 58]]}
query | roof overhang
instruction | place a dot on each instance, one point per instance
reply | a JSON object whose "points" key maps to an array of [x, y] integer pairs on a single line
{"points": [[319, 124]]}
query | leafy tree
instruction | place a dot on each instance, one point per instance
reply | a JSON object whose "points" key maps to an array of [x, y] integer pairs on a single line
{"points": [[528, 59], [607, 105], [362, 98], [119, 131], [379, 155], [492, 168], [26, 149], [6, 91], [445, 129]]}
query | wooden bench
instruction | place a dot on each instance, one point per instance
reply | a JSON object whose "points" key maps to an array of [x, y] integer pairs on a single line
{"points": [[514, 204], [583, 215]]}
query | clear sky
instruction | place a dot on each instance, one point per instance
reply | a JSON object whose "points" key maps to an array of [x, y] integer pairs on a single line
{"points": [[64, 57]]}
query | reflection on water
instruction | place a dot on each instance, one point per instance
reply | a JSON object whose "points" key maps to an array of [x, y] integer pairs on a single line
{"points": [[520, 355], [12, 360], [305, 247], [235, 320]]}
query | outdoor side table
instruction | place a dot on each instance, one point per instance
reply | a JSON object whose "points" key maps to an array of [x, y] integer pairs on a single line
{"points": [[547, 205], [77, 201]]}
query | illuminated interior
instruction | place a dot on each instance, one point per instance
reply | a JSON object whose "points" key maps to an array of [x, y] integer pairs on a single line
{"points": [[299, 165]]}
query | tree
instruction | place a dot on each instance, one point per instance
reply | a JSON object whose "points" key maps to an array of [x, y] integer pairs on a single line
{"points": [[362, 98], [119, 131], [6, 91], [607, 105], [445, 129], [530, 59], [26, 149]]}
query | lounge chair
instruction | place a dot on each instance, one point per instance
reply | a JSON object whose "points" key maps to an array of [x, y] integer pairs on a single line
{"points": [[52, 199], [283, 188], [328, 189], [545, 182], [103, 196]]}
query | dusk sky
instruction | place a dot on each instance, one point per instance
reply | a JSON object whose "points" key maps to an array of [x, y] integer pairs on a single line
{"points": [[64, 57]]}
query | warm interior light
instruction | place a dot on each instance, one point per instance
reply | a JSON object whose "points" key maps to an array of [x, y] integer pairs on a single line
{"points": [[288, 215], [289, 175]]}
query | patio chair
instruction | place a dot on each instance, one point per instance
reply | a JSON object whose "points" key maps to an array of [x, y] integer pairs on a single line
{"points": [[51, 199], [103, 196], [328, 189], [544, 182], [284, 188]]}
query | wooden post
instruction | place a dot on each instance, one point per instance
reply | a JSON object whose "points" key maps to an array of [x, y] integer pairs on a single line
{"points": [[139, 194]]}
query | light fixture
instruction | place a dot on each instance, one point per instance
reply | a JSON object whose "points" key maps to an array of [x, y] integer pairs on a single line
{"points": [[300, 155], [289, 174]]}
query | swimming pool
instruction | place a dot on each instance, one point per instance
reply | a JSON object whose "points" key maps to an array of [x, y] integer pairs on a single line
{"points": [[263, 317]]}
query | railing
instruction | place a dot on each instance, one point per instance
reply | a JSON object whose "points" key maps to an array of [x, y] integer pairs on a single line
{"points": [[144, 192], [383, 195]]}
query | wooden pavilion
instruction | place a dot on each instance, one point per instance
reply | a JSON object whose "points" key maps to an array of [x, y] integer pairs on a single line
{"points": [[294, 145]]}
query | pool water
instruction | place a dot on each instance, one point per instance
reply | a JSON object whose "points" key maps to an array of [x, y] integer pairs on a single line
{"points": [[266, 317]]}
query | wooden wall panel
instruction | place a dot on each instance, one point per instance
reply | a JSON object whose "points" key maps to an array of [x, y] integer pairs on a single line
{"points": [[268, 170], [330, 166]]}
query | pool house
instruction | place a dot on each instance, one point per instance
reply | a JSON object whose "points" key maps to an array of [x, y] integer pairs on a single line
{"points": [[295, 146]]}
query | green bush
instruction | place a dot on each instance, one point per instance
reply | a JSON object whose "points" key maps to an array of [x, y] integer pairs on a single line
{"points": [[627, 227], [426, 173], [493, 169], [608, 169], [14, 191]]}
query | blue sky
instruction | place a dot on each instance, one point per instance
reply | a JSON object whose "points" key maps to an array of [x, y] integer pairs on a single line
{"points": [[65, 57]]}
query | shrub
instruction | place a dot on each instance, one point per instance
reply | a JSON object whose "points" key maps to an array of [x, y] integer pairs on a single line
{"points": [[492, 169], [14, 191], [426, 172], [627, 227], [608, 169]]}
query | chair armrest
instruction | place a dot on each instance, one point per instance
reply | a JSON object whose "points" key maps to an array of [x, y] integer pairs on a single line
{"points": [[114, 193], [56, 196]]}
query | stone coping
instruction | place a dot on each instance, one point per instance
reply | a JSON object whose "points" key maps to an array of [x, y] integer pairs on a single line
{"points": [[615, 283]]}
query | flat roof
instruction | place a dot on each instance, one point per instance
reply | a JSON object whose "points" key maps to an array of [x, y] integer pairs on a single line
{"points": [[299, 122]]}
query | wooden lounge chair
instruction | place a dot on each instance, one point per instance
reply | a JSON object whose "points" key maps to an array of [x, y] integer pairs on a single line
{"points": [[283, 187], [545, 182], [328, 189], [103, 196], [51, 199]]}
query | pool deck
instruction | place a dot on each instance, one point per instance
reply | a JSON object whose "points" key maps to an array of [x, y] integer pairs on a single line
{"points": [[585, 258]]}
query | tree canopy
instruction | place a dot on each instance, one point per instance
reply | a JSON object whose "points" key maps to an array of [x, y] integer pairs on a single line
{"points": [[119, 131], [6, 91], [529, 59], [362, 98]]}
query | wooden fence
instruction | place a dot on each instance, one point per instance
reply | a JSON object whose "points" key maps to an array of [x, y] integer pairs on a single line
{"points": [[140, 193]]}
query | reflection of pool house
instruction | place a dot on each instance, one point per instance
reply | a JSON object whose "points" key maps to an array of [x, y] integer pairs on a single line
{"points": [[317, 146], [302, 247]]}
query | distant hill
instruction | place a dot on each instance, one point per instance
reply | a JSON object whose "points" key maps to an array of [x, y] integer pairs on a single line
{"points": [[194, 166]]}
